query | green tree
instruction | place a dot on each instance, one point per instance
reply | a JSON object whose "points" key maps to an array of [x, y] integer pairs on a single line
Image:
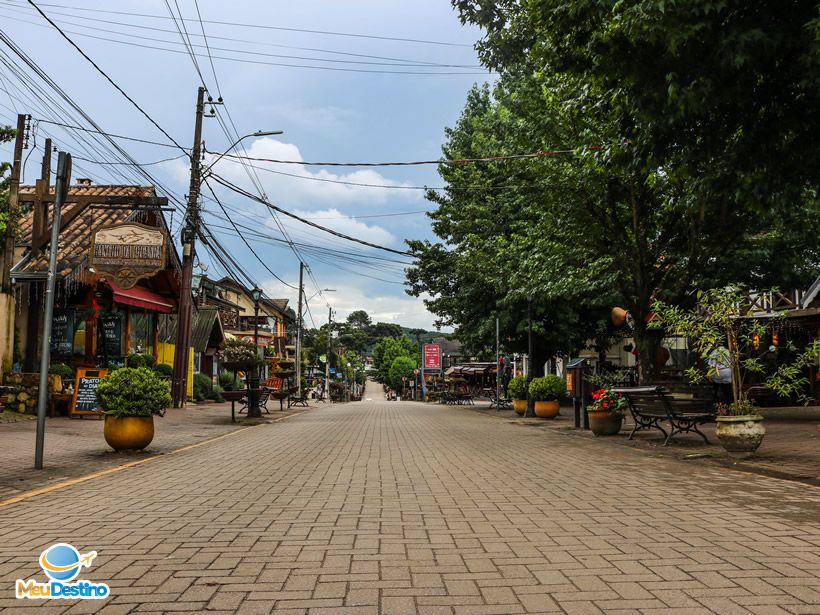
{"points": [[388, 350], [657, 197], [402, 367], [7, 133]]}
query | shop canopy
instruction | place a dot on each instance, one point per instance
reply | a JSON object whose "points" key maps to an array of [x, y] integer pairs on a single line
{"points": [[142, 298]]}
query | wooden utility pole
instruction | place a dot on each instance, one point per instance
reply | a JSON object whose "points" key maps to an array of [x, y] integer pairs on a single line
{"points": [[299, 324], [179, 383], [13, 213], [39, 228]]}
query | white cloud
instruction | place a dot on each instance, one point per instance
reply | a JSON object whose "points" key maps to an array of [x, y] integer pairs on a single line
{"points": [[328, 121], [336, 220]]}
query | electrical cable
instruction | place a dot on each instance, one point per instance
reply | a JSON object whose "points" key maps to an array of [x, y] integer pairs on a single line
{"points": [[105, 75], [244, 193]]}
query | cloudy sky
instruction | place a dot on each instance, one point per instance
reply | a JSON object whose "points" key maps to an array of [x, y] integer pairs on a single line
{"points": [[346, 91]]}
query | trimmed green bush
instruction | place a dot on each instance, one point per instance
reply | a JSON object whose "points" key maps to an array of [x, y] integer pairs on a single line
{"points": [[517, 388], [163, 369], [133, 392], [547, 388], [229, 382], [216, 394], [62, 370], [203, 387], [144, 359]]}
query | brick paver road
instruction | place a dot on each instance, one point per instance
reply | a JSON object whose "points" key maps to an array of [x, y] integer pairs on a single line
{"points": [[397, 508]]}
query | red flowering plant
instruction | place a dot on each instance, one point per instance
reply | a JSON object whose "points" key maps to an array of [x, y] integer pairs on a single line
{"points": [[605, 400]]}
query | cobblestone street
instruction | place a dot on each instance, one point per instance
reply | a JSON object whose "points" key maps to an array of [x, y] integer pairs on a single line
{"points": [[392, 508]]}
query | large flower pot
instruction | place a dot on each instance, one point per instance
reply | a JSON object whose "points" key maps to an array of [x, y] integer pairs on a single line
{"points": [[547, 409], [740, 434], [128, 433], [605, 423], [520, 406]]}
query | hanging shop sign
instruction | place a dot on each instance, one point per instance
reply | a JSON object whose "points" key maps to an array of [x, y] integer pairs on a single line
{"points": [[432, 356], [129, 252]]}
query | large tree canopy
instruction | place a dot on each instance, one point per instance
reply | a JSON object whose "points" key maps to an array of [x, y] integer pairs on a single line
{"points": [[668, 185]]}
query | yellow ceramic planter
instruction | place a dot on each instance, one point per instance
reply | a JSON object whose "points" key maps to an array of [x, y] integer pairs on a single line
{"points": [[520, 406], [128, 433], [547, 409]]}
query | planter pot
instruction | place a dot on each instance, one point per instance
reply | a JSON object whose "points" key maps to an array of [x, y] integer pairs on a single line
{"points": [[740, 434], [128, 433], [520, 406], [238, 366], [547, 409], [605, 423]]}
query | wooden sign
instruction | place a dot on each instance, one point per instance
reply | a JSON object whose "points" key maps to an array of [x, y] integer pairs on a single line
{"points": [[570, 384], [85, 401], [128, 252]]}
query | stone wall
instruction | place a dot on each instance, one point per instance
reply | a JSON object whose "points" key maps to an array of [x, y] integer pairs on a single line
{"points": [[23, 397]]}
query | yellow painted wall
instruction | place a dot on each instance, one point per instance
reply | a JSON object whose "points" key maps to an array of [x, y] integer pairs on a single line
{"points": [[6, 332], [165, 354]]}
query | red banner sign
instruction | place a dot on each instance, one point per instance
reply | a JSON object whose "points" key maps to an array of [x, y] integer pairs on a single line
{"points": [[432, 356]]}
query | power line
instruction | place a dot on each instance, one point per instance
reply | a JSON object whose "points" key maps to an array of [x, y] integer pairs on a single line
{"points": [[239, 190], [104, 74], [279, 28], [207, 48], [12, 6], [107, 134], [533, 155]]}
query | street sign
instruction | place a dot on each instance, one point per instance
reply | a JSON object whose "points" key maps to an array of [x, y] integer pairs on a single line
{"points": [[417, 371], [432, 356]]}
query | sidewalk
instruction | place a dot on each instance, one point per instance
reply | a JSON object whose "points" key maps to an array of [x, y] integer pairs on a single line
{"points": [[790, 450], [76, 447]]}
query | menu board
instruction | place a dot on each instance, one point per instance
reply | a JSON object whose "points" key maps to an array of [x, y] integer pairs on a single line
{"points": [[109, 336], [85, 391], [62, 333]]}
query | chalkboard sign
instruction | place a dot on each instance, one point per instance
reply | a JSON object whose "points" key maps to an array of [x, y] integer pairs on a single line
{"points": [[62, 333], [109, 335], [85, 391]]}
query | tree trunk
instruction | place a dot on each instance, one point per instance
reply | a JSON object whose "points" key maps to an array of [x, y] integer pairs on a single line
{"points": [[648, 343]]}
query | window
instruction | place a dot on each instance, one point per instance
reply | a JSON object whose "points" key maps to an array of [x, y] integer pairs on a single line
{"points": [[142, 332]]}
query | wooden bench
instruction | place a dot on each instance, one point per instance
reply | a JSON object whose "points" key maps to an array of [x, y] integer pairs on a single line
{"points": [[652, 404]]}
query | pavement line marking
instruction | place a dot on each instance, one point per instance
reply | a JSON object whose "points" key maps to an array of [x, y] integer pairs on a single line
{"points": [[81, 479]]}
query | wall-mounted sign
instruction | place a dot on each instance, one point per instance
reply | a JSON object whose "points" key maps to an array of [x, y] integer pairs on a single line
{"points": [[432, 356], [129, 252], [109, 337], [85, 391]]}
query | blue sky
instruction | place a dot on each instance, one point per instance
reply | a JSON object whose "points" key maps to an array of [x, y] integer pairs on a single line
{"points": [[337, 115]]}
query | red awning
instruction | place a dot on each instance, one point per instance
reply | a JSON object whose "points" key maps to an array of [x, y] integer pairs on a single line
{"points": [[142, 298]]}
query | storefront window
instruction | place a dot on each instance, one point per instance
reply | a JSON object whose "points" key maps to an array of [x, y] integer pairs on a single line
{"points": [[142, 332], [79, 336]]}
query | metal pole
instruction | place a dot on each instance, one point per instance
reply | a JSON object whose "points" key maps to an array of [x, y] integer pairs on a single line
{"points": [[299, 333], [254, 412], [497, 371], [61, 188], [327, 363], [179, 382]]}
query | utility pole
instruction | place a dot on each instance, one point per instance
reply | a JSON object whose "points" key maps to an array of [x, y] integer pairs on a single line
{"points": [[327, 363], [60, 192], [179, 383], [13, 213], [299, 324]]}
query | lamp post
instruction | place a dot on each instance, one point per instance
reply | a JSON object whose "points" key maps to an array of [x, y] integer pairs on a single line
{"points": [[348, 381], [254, 411], [530, 412], [299, 324]]}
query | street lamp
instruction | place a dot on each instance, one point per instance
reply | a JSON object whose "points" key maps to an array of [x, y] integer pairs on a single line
{"points": [[253, 381], [348, 383], [258, 133]]}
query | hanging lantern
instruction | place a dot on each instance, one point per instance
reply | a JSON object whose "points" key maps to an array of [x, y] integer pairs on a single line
{"points": [[775, 339], [756, 341]]}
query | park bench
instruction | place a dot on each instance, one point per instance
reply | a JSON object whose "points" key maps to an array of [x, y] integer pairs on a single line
{"points": [[299, 400], [651, 405]]}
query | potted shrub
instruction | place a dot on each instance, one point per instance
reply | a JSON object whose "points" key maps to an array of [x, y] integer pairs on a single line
{"points": [[546, 391], [726, 335], [129, 398], [606, 414], [517, 390], [62, 375]]}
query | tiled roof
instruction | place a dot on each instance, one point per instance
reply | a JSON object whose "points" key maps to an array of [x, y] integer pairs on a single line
{"points": [[75, 237]]}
